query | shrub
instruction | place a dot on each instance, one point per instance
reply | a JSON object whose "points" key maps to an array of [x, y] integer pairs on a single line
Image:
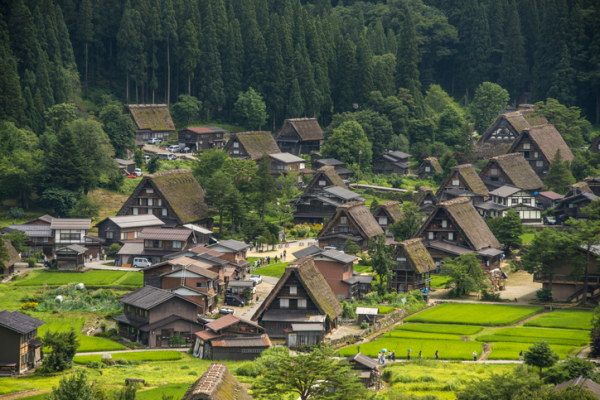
{"points": [[348, 310], [29, 306], [185, 367], [121, 361], [176, 340], [31, 261], [113, 249], [248, 369], [96, 365], [488, 296], [302, 230], [364, 325], [192, 373], [544, 295], [293, 232]]}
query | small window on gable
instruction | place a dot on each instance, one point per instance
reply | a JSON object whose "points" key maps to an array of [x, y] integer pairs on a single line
{"points": [[293, 290], [494, 171], [427, 169], [382, 220], [159, 202], [149, 190], [236, 145], [455, 182], [539, 163], [444, 223], [322, 183], [526, 146], [451, 236], [301, 303], [430, 235], [284, 303], [343, 220]]}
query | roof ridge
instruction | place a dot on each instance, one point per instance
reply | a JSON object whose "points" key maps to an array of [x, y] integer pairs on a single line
{"points": [[170, 172], [452, 202]]}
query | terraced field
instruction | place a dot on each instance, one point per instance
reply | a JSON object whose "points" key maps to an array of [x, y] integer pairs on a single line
{"points": [[86, 343], [565, 319], [475, 314]]}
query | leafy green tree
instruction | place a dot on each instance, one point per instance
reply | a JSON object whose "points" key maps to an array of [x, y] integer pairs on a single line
{"points": [[18, 240], [409, 223], [63, 347], [540, 355], [568, 393], [422, 131], [345, 144], [208, 163], [252, 109], [60, 200], [436, 99], [381, 258], [489, 101], [465, 273], [567, 120], [138, 157], [187, 108], [571, 368], [351, 247], [374, 205], [559, 177], [76, 386], [85, 207], [119, 128], [504, 386], [265, 186], [507, 229], [235, 208], [20, 174], [252, 228], [304, 376], [547, 252], [217, 190], [60, 114], [66, 166], [452, 129]]}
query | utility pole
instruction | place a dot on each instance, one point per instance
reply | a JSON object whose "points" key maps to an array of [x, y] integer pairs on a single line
{"points": [[359, 155]]}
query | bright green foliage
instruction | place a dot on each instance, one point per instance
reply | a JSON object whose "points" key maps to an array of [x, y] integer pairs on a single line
{"points": [[119, 128], [301, 374], [18, 240], [465, 273], [567, 120], [4, 256], [462, 330], [20, 174], [208, 163], [60, 200], [153, 164], [138, 356], [63, 346], [501, 387], [490, 99], [410, 222], [559, 177], [507, 229], [187, 109], [381, 257], [540, 355], [76, 386], [572, 368], [352, 247], [252, 109], [567, 319], [510, 350], [85, 208], [451, 127], [60, 114], [345, 144], [475, 314], [568, 393]]}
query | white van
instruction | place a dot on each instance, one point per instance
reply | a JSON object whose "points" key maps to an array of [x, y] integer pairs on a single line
{"points": [[174, 148], [164, 156], [141, 263], [146, 159]]}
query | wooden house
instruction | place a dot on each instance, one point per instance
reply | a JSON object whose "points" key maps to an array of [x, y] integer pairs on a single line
{"points": [[339, 166], [154, 316], [366, 314], [474, 198], [507, 197], [21, 350], [507, 127], [425, 199], [369, 373], [595, 146], [233, 251], [338, 270], [387, 214], [126, 228], [391, 162], [454, 228], [43, 220], [571, 206], [510, 169], [127, 167], [301, 296], [13, 258], [300, 136], [593, 184], [351, 221], [463, 177], [585, 384], [304, 335], [155, 243], [539, 145], [222, 338], [175, 197], [548, 199], [151, 120], [217, 383], [286, 163], [71, 257], [428, 167], [198, 138], [39, 238], [315, 203], [69, 231], [412, 268], [251, 145]]}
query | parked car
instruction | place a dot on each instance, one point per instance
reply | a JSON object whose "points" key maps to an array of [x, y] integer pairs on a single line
{"points": [[225, 311], [164, 156], [234, 301], [141, 263], [256, 279], [146, 159], [329, 248], [549, 221], [138, 172], [154, 141], [174, 148], [134, 175]]}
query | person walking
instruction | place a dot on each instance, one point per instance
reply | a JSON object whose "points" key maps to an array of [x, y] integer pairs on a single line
{"points": [[275, 258], [358, 348], [394, 356], [420, 354], [437, 355], [409, 350], [474, 355], [284, 255], [521, 355]]}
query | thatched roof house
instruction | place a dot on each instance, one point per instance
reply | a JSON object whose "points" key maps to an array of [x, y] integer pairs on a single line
{"points": [[577, 188], [300, 136], [252, 145], [217, 383], [463, 177], [413, 266], [152, 121], [312, 301], [425, 198], [13, 258], [595, 146], [388, 213], [173, 196], [320, 197], [510, 169], [416, 254], [428, 167], [351, 221]]}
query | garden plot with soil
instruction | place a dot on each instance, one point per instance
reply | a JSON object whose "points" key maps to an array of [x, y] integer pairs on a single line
{"points": [[456, 330]]}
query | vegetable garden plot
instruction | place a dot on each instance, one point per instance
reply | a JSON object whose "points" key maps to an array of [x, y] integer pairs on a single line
{"points": [[90, 278], [475, 314], [464, 330], [510, 351], [567, 319], [87, 343]]}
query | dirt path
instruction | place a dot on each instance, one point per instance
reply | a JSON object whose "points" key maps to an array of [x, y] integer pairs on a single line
{"points": [[21, 395]]}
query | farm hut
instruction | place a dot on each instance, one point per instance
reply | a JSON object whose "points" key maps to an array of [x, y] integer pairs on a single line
{"points": [[425, 198], [13, 258], [351, 221], [238, 348], [369, 373], [428, 167], [217, 383], [251, 145], [304, 334], [70, 258], [300, 136], [367, 314]]}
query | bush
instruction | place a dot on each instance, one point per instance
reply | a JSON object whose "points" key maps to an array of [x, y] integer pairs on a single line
{"points": [[488, 296], [96, 365], [364, 325], [302, 230], [185, 367], [113, 249], [29, 306], [544, 295], [31, 261], [349, 310], [248, 369]]}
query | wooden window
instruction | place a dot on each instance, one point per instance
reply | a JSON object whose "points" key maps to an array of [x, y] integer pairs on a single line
{"points": [[322, 183], [526, 201], [159, 202], [109, 234], [148, 211], [494, 171], [293, 290], [382, 220], [430, 235], [149, 190], [123, 235], [539, 164], [284, 303], [535, 154], [455, 182], [451, 236], [301, 303], [343, 220], [134, 211], [150, 202], [176, 244], [139, 201], [164, 212], [444, 223], [526, 146], [343, 229], [427, 169], [236, 145], [401, 261]]}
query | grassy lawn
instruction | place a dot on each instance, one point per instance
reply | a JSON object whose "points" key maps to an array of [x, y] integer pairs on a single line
{"points": [[91, 278], [87, 343], [449, 349], [527, 237], [386, 309], [438, 328], [475, 314], [274, 270], [362, 269], [567, 319], [439, 281], [167, 355]]}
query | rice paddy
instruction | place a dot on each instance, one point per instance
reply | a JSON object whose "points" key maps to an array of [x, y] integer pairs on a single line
{"points": [[448, 349], [420, 335], [565, 319], [475, 314], [90, 278], [464, 330], [510, 351], [167, 355]]}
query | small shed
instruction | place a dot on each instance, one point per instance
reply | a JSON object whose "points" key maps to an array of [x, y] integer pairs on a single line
{"points": [[71, 258], [369, 373], [238, 348], [367, 314], [127, 166], [303, 334], [238, 287]]}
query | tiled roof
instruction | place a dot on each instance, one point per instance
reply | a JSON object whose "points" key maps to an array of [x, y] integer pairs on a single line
{"points": [[165, 234], [19, 322]]}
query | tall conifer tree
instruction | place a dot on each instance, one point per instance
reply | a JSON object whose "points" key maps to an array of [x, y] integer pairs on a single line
{"points": [[23, 36], [66, 48], [364, 71], [212, 76], [346, 75], [233, 64], [407, 69], [85, 32], [171, 39], [513, 68], [190, 53]]}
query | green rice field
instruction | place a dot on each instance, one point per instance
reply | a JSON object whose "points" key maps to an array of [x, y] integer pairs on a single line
{"points": [[421, 335], [530, 340], [464, 330], [566, 319], [90, 278], [167, 355], [475, 314], [87, 343], [510, 351], [449, 349], [545, 333]]}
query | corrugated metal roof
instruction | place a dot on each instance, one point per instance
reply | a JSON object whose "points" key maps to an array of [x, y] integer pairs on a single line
{"points": [[206, 335], [19, 322], [34, 230], [287, 158], [124, 162], [338, 256], [307, 327], [329, 161], [309, 251], [258, 341], [135, 221], [199, 229], [240, 284], [74, 247], [505, 191], [165, 234], [71, 223], [551, 195], [363, 360], [132, 249], [341, 192], [367, 310], [231, 244]]}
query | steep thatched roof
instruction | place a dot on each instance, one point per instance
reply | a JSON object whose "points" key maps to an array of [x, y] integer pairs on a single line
{"points": [[548, 140], [306, 128], [313, 282], [13, 256], [393, 208], [416, 252], [256, 144], [533, 120], [468, 220], [421, 193], [217, 383], [180, 190], [155, 117], [517, 169], [469, 176], [577, 188], [359, 214], [335, 179], [435, 164], [595, 146]]}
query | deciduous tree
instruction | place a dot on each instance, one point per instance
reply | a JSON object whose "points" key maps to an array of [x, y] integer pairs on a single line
{"points": [[409, 223], [252, 109], [381, 258], [465, 273], [540, 355], [489, 101]]}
